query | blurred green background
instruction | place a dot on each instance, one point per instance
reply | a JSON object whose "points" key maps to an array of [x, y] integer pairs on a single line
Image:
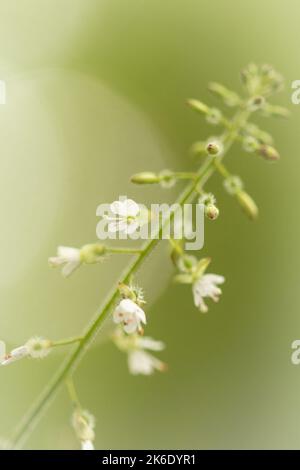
{"points": [[96, 91]]}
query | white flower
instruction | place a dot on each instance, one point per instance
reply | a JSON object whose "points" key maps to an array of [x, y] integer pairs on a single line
{"points": [[130, 315], [87, 445], [141, 362], [67, 257], [14, 355], [145, 342], [37, 347], [207, 286], [126, 216]]}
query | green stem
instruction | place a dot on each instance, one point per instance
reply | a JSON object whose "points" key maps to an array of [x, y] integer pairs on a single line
{"points": [[63, 342], [72, 393], [70, 364], [185, 175], [130, 251], [220, 167]]}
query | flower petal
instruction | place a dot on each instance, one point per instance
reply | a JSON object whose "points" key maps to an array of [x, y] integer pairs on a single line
{"points": [[132, 208], [69, 268]]}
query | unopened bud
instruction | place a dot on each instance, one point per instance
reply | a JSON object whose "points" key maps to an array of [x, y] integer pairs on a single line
{"points": [[268, 152], [146, 177], [92, 253], [213, 148], [229, 97], [211, 212], [247, 204], [276, 111], [198, 106]]}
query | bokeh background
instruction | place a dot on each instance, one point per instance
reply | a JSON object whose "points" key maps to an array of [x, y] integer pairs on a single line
{"points": [[96, 91]]}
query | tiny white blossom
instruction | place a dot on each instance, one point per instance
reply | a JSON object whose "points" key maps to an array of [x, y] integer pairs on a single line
{"points": [[38, 347], [125, 218], [130, 315], [67, 257], [207, 286], [141, 362], [87, 445]]}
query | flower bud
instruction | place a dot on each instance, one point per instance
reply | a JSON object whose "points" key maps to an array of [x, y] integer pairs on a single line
{"points": [[211, 212], [247, 204], [268, 152], [213, 148], [229, 97], [92, 253], [276, 111], [198, 106], [146, 177]]}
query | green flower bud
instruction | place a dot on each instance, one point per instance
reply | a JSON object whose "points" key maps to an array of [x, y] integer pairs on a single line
{"points": [[213, 148], [247, 204], [198, 106], [211, 212], [229, 97], [146, 177], [268, 152], [92, 253], [277, 111]]}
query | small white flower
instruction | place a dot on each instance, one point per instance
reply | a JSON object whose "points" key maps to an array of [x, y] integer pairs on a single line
{"points": [[141, 362], [38, 347], [130, 315], [67, 257], [126, 216], [207, 286], [87, 445]]}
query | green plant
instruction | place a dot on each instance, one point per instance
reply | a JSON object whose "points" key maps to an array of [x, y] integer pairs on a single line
{"points": [[260, 83]]}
